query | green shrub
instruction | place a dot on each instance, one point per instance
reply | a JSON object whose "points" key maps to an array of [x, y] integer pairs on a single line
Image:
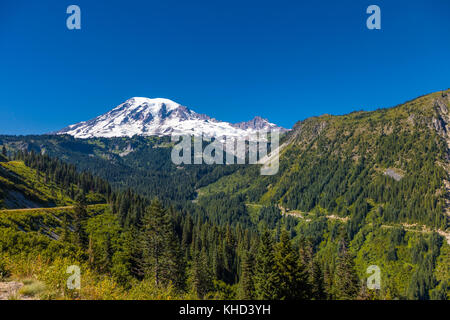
{"points": [[28, 281], [32, 288]]}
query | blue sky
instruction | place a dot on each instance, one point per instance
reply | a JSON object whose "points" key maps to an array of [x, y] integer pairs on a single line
{"points": [[283, 60]]}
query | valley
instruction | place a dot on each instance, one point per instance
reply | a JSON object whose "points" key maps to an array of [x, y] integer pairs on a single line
{"points": [[366, 188]]}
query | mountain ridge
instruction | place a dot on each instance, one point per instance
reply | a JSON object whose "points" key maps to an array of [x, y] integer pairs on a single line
{"points": [[161, 117], [334, 164]]}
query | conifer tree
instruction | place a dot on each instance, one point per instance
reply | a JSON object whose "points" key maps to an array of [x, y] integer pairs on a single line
{"points": [[65, 236], [228, 256], [315, 275], [159, 253], [316, 281], [179, 262], [187, 232], [246, 283], [328, 280], [201, 278], [105, 260], [79, 216], [265, 277], [133, 245], [346, 283], [291, 276]]}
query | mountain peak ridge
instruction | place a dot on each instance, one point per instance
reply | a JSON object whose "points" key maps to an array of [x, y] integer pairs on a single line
{"points": [[161, 117]]}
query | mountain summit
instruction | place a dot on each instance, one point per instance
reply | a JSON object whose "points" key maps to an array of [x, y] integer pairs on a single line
{"points": [[160, 117]]}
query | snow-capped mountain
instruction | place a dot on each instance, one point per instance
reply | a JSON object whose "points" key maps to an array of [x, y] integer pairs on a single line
{"points": [[148, 117]]}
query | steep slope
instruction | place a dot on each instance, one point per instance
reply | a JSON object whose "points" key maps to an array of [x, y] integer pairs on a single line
{"points": [[389, 164], [377, 179], [160, 117], [24, 187]]}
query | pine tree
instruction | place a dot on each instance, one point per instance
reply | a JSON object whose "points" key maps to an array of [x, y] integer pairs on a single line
{"points": [[135, 249], [315, 275], [328, 280], [246, 283], [4, 151], [79, 215], [176, 253], [228, 256], [187, 232], [65, 236], [316, 281], [265, 277], [346, 283], [105, 260], [201, 278], [292, 278], [160, 256]]}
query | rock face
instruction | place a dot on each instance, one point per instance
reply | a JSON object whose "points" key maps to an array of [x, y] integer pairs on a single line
{"points": [[394, 175], [160, 117], [9, 290], [441, 123], [257, 123]]}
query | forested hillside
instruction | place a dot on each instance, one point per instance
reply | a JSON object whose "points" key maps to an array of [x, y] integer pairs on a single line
{"points": [[378, 175], [140, 163], [32, 181], [133, 248], [353, 191], [392, 162]]}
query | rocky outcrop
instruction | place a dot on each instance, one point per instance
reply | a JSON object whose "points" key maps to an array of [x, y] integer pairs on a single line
{"points": [[441, 123]]}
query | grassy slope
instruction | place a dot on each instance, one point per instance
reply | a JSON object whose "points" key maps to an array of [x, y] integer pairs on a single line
{"points": [[47, 221], [35, 189]]}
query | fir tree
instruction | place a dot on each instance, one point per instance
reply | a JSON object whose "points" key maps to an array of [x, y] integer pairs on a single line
{"points": [[65, 236], [346, 283], [187, 232], [228, 256], [79, 216], [105, 260], [201, 279], [265, 277], [159, 254], [246, 283], [316, 281], [179, 267], [315, 275], [291, 276]]}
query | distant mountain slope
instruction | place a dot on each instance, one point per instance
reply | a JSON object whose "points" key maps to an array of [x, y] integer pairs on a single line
{"points": [[160, 117], [21, 187], [24, 187], [389, 164], [140, 163]]}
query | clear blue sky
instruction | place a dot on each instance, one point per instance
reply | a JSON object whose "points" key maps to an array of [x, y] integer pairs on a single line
{"points": [[283, 60]]}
